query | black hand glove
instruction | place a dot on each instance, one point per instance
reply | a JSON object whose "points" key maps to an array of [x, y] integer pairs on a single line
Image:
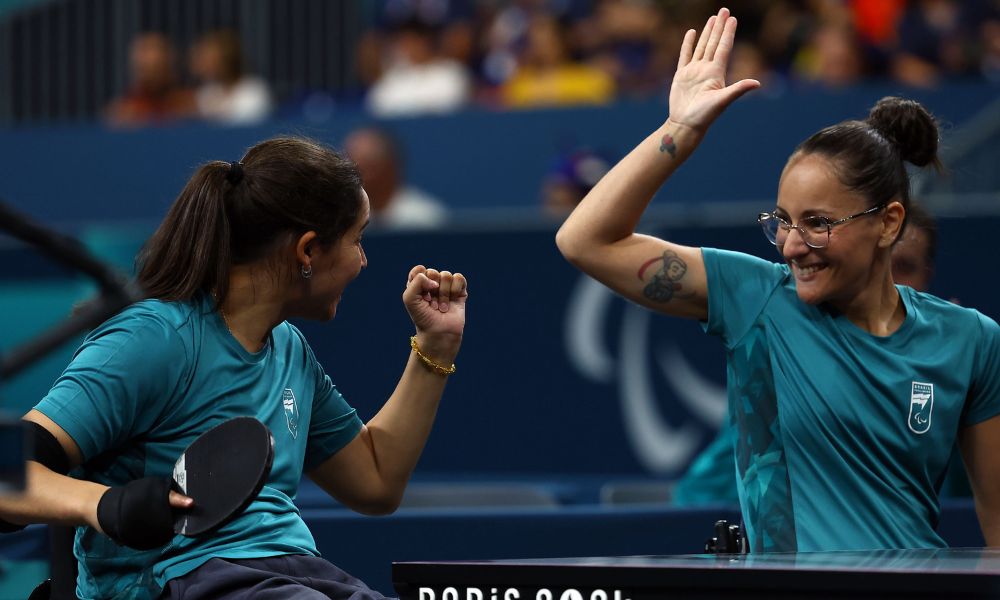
{"points": [[138, 514]]}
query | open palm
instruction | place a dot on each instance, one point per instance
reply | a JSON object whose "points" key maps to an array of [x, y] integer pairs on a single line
{"points": [[699, 92]]}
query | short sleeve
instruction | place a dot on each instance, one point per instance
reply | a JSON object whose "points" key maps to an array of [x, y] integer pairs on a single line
{"points": [[118, 383], [739, 286], [334, 422], [984, 393]]}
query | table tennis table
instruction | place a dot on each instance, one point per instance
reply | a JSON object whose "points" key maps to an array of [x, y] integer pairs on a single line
{"points": [[919, 573]]}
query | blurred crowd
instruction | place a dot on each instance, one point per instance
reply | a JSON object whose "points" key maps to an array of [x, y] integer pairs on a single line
{"points": [[222, 90], [436, 55], [433, 56]]}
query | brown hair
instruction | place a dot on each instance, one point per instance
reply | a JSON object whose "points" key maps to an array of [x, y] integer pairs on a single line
{"points": [[231, 214]]}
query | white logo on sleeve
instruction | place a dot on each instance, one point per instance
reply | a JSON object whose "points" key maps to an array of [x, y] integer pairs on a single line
{"points": [[291, 411], [921, 407]]}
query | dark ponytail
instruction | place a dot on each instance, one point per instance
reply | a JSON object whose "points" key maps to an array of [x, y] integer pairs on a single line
{"points": [[868, 155], [190, 250], [234, 213]]}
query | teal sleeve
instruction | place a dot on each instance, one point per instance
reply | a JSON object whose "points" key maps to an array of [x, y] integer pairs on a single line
{"points": [[118, 384], [334, 422], [739, 286], [984, 393]]}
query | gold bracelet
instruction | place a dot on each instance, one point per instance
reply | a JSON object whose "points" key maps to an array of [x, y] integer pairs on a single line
{"points": [[433, 366]]}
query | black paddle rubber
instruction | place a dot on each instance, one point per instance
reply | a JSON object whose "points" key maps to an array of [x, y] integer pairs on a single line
{"points": [[223, 471]]}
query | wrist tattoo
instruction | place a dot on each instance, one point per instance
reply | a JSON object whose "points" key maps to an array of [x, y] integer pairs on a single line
{"points": [[665, 284], [667, 145]]}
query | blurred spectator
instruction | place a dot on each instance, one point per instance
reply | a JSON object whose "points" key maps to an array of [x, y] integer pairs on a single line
{"points": [[559, 52], [913, 255], [394, 204], [546, 76], [747, 62], [784, 29], [418, 79], [570, 179], [989, 63], [505, 28], [505, 35], [875, 21], [833, 58], [631, 41], [451, 20], [226, 94], [938, 39], [154, 95]]}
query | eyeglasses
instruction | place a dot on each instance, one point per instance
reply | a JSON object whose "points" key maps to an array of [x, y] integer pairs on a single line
{"points": [[815, 231]]}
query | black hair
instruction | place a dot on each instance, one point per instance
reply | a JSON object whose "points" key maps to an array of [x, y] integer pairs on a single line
{"points": [[288, 186], [868, 155]]}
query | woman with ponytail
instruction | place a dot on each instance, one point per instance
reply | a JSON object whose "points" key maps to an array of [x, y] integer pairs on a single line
{"points": [[847, 392], [246, 246]]}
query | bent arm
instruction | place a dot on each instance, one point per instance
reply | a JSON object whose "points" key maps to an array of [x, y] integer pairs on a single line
{"points": [[49, 496], [370, 473], [599, 236], [980, 445]]}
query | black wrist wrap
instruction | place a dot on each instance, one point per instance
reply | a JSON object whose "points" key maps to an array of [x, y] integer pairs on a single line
{"points": [[138, 514]]}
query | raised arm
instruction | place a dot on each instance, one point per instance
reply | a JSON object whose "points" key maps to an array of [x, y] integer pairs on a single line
{"points": [[370, 474], [599, 236]]}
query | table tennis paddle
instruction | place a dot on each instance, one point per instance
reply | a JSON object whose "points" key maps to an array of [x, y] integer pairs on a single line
{"points": [[223, 471]]}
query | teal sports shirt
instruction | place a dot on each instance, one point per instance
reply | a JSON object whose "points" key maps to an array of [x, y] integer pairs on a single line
{"points": [[145, 384], [842, 437]]}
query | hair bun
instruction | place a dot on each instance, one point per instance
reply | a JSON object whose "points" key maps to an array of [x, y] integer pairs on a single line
{"points": [[908, 126]]}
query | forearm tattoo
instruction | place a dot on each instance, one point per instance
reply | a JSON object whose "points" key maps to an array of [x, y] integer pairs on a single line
{"points": [[665, 284], [667, 145]]}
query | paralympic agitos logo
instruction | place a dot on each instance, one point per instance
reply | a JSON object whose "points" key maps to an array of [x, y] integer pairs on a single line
{"points": [[651, 373]]}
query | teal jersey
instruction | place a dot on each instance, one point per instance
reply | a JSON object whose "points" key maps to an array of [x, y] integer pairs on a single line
{"points": [[711, 477], [842, 438], [145, 384]]}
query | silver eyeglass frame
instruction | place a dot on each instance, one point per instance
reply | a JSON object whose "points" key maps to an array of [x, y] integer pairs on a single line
{"points": [[764, 217]]}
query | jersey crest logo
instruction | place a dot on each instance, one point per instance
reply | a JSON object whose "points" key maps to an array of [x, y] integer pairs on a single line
{"points": [[921, 407], [291, 411]]}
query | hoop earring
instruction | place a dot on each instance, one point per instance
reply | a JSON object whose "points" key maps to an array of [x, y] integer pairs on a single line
{"points": [[307, 271]]}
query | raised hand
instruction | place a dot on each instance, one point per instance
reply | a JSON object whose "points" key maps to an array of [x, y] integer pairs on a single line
{"points": [[699, 92], [436, 301]]}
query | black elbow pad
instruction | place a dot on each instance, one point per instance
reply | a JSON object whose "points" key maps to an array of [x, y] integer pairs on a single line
{"points": [[44, 448]]}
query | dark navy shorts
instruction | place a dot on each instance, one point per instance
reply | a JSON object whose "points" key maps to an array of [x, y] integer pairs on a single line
{"points": [[271, 578]]}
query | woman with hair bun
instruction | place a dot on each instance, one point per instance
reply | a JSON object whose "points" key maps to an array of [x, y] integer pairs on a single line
{"points": [[246, 246], [846, 391]]}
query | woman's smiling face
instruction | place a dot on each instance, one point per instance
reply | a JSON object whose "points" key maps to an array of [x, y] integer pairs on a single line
{"points": [[843, 269]]}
